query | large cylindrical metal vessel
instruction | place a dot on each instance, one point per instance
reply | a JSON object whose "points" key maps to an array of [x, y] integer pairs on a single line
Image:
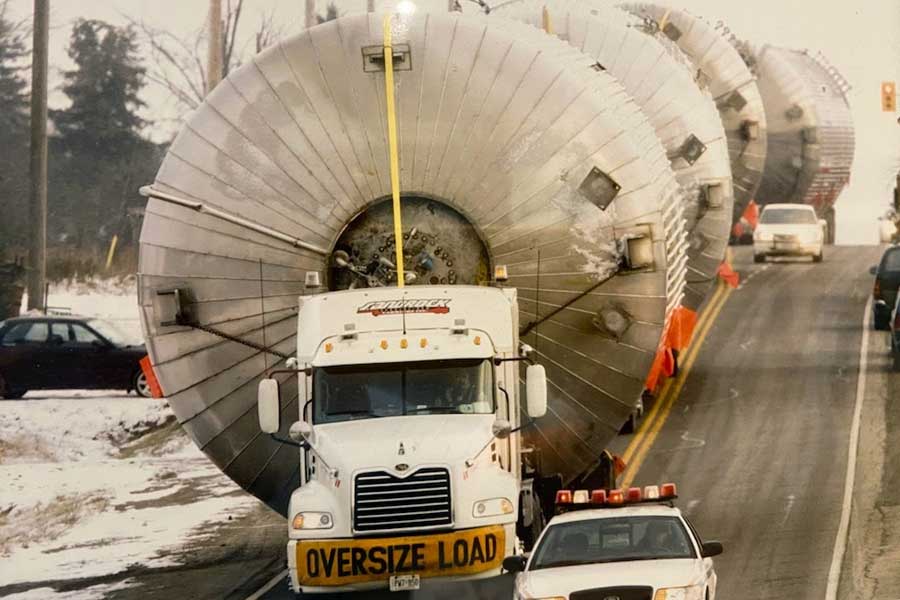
{"points": [[509, 154], [657, 75], [810, 130], [732, 85]]}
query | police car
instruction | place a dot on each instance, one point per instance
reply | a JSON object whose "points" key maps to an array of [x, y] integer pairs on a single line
{"points": [[619, 545]]}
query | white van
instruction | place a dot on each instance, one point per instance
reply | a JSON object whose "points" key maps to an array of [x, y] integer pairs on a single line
{"points": [[788, 230]]}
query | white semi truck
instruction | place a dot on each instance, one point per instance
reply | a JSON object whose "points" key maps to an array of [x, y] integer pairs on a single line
{"points": [[411, 460]]}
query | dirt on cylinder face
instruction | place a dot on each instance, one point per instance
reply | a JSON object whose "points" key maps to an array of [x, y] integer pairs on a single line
{"points": [[440, 247]]}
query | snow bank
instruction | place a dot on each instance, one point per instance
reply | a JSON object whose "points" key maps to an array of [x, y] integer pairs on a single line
{"points": [[82, 493]]}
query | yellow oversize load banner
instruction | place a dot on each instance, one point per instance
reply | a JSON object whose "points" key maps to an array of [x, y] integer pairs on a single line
{"points": [[342, 562]]}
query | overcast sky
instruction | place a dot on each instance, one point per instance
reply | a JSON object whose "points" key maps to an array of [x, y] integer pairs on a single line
{"points": [[861, 38]]}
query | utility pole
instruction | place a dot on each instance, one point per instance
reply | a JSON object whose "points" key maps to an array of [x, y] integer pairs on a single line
{"points": [[310, 13], [215, 50], [37, 206]]}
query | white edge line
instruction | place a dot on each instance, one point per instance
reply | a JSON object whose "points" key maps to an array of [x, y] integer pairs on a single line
{"points": [[840, 544], [269, 585]]}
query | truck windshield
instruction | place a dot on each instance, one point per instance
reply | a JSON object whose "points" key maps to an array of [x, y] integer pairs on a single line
{"points": [[461, 386], [788, 216]]}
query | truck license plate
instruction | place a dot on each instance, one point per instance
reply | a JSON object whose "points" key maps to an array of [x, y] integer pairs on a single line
{"points": [[402, 583]]}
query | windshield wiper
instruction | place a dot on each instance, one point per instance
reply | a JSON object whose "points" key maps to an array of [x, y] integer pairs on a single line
{"points": [[435, 409], [352, 412]]}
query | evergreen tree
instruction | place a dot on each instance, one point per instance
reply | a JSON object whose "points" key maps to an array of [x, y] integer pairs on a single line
{"points": [[104, 89], [98, 157], [13, 135], [13, 87]]}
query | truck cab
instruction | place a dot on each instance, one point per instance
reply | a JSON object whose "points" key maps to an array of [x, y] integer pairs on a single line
{"points": [[409, 433]]}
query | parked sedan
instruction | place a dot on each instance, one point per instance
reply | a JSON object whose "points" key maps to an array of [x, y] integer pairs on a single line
{"points": [[884, 291], [47, 352]]}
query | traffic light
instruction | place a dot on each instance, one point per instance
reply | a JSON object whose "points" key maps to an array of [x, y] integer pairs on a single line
{"points": [[888, 96]]}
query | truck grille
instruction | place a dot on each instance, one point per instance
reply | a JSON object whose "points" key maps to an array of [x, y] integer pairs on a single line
{"points": [[384, 502], [621, 593]]}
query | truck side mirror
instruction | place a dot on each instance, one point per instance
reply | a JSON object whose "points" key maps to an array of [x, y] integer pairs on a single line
{"points": [[501, 429], [268, 406], [536, 390]]}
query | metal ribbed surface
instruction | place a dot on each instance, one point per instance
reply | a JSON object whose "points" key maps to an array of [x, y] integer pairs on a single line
{"points": [[657, 75], [496, 119], [811, 136], [384, 502], [712, 53]]}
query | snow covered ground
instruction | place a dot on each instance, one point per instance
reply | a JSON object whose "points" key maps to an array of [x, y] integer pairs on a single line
{"points": [[96, 482]]}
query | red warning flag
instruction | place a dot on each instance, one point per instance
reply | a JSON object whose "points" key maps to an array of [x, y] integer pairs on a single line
{"points": [[684, 320], [728, 275], [751, 214], [152, 381]]}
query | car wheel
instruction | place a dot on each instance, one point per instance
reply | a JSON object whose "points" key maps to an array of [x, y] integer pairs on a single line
{"points": [[9, 393], [881, 324], [818, 257], [896, 364], [759, 258], [141, 385]]}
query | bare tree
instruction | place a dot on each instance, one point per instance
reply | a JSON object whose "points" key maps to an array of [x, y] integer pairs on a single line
{"points": [[178, 64]]}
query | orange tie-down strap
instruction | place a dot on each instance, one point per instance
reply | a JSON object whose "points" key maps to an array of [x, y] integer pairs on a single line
{"points": [[152, 381]]}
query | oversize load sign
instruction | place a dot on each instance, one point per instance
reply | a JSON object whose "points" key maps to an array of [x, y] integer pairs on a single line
{"points": [[377, 308], [342, 562]]}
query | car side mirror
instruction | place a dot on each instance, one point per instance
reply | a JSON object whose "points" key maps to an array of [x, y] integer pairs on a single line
{"points": [[269, 406], [873, 270], [98, 344], [711, 549], [536, 390], [514, 564]]}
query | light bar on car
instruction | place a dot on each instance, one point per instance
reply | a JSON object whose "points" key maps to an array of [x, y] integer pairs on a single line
{"points": [[600, 498]]}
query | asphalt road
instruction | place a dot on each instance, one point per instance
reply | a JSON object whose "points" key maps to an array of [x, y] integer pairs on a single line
{"points": [[757, 442]]}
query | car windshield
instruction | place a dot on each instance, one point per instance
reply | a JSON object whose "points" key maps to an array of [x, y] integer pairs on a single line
{"points": [[614, 539], [462, 386], [788, 216], [111, 332]]}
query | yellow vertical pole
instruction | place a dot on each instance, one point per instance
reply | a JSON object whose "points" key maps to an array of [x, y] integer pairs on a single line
{"points": [[545, 20], [112, 251], [392, 144]]}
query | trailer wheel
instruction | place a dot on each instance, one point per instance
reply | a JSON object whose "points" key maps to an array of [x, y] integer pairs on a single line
{"points": [[759, 258]]}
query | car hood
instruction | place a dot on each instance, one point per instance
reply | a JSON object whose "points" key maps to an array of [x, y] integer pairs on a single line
{"points": [[563, 581]]}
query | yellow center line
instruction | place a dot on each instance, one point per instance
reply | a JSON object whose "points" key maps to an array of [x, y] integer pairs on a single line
{"points": [[668, 402], [648, 421]]}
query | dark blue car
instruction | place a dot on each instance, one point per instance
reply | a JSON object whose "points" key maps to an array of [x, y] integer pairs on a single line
{"points": [[48, 352], [884, 291]]}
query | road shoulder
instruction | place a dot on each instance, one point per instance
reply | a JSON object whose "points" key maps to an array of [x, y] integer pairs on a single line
{"points": [[873, 551]]}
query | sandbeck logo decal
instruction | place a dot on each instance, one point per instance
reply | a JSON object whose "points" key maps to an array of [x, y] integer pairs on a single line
{"points": [[438, 306]]}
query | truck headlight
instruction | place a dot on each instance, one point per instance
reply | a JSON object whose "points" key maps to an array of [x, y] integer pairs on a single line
{"points": [[312, 520], [691, 592], [492, 507]]}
